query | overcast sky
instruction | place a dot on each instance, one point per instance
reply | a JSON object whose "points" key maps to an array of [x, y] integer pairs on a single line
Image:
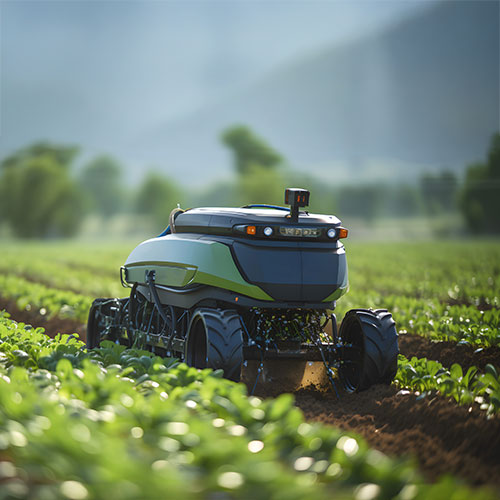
{"points": [[122, 66]]}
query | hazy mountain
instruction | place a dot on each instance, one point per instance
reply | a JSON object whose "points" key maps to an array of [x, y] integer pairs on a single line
{"points": [[99, 73], [423, 94]]}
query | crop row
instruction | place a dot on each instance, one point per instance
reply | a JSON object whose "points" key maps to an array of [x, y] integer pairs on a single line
{"points": [[432, 318], [430, 377], [53, 275], [96, 258], [57, 272], [456, 272], [436, 290], [453, 272], [115, 423], [44, 300]]}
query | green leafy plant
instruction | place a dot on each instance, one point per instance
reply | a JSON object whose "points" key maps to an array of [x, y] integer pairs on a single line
{"points": [[430, 377], [123, 423]]}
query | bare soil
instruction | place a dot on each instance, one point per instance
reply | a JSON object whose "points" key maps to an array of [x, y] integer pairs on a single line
{"points": [[443, 437]]}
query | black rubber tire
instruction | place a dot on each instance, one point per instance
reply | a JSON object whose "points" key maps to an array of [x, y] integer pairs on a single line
{"points": [[94, 329], [373, 359], [215, 340], [93, 336]]}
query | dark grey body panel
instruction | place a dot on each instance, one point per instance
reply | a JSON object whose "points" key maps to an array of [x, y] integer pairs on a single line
{"points": [[299, 272]]}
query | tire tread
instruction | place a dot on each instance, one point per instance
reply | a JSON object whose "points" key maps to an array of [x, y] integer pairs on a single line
{"points": [[380, 344], [224, 340]]}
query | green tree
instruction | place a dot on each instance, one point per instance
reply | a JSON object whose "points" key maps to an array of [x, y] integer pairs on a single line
{"points": [[400, 200], [156, 197], [101, 181], [259, 184], [59, 155], [248, 149], [480, 196], [360, 201], [494, 157], [38, 198], [439, 192]]}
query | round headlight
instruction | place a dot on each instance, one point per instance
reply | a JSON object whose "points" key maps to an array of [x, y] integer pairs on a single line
{"points": [[331, 233], [268, 231]]}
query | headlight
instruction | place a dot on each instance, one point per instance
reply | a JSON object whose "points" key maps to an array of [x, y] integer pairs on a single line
{"points": [[268, 231], [331, 233]]}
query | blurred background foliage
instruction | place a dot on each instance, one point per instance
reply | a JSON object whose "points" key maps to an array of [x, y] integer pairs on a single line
{"points": [[39, 197], [42, 195], [480, 198], [383, 110], [101, 183]]}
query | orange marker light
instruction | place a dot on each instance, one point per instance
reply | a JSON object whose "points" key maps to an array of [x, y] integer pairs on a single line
{"points": [[251, 230], [343, 232]]}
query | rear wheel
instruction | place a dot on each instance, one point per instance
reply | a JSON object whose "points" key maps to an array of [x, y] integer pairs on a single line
{"points": [[93, 330], [106, 321], [369, 352], [215, 340]]}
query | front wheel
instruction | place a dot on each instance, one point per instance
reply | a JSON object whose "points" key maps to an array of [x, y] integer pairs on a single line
{"points": [[369, 349], [215, 340]]}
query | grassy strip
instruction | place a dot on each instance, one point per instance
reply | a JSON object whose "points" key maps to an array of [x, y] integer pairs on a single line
{"points": [[115, 423], [430, 377]]}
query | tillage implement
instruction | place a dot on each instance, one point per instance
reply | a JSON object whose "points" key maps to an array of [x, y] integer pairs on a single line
{"points": [[251, 291]]}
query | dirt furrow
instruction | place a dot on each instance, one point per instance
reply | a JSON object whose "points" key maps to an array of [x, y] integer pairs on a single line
{"points": [[448, 353], [444, 437]]}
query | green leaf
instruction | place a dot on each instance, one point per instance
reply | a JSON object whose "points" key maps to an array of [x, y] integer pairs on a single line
{"points": [[456, 371]]}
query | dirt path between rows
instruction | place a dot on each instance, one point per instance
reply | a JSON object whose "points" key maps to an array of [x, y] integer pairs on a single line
{"points": [[443, 437]]}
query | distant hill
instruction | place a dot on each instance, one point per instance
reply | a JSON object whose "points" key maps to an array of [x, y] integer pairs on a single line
{"points": [[423, 94]]}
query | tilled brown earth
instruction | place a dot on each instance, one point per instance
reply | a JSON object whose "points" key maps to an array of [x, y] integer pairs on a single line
{"points": [[443, 437]]}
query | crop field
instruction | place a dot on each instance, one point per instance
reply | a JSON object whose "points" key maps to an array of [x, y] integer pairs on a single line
{"points": [[121, 423]]}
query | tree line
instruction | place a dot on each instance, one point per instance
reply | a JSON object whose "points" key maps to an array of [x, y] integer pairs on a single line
{"points": [[42, 196]]}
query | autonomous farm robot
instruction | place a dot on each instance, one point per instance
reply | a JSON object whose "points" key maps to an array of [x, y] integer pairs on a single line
{"points": [[251, 291]]}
